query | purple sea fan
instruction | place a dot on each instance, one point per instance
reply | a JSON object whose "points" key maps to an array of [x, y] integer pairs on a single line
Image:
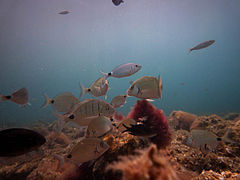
{"points": [[153, 120]]}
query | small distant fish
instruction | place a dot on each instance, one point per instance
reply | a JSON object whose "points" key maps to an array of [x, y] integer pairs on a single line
{"points": [[88, 149], [62, 103], [123, 70], [202, 45], [182, 83], [87, 109], [98, 88], [64, 12], [118, 101], [117, 2], [204, 139], [146, 87], [18, 141], [20, 96], [99, 127]]}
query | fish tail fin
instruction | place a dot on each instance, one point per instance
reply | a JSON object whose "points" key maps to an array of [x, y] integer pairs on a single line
{"points": [[47, 101], [61, 122], [83, 90], [105, 74], [3, 98], [225, 137], [60, 159], [190, 50], [160, 86]]}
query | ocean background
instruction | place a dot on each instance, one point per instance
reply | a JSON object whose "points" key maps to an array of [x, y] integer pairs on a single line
{"points": [[51, 53]]}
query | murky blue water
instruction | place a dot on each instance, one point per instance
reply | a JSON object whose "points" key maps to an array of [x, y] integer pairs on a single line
{"points": [[51, 53]]}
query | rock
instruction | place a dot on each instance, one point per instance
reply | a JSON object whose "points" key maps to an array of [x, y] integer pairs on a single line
{"points": [[181, 120]]}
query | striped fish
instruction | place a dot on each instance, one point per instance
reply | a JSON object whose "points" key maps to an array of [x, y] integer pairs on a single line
{"points": [[83, 113]]}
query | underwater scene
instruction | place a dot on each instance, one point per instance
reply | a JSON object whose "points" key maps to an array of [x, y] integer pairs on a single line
{"points": [[119, 89]]}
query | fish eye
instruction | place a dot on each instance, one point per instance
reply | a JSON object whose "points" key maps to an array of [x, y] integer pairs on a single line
{"points": [[131, 88], [136, 65], [124, 96], [71, 117], [69, 156]]}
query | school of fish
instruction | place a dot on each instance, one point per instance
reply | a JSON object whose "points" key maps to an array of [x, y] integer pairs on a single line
{"points": [[97, 114]]}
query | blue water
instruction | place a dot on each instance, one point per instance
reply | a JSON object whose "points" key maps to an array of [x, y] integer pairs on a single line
{"points": [[51, 53]]}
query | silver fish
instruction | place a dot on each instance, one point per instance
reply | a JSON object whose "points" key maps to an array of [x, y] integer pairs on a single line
{"points": [[87, 109], [97, 88], [204, 139], [146, 87], [61, 103], [20, 96], [123, 70], [118, 101], [99, 127], [87, 149], [202, 45]]}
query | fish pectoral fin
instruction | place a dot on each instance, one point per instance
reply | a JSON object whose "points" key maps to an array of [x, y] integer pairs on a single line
{"points": [[96, 150], [24, 105]]}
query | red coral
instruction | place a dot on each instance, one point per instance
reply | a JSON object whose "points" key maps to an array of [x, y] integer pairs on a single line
{"points": [[153, 118]]}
